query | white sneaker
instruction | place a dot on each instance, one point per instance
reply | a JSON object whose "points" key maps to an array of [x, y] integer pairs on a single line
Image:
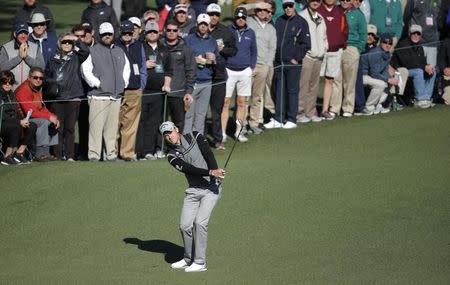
{"points": [[289, 125], [316, 119], [347, 115], [159, 154], [195, 267], [273, 124], [367, 112], [303, 120], [380, 109], [424, 104], [241, 138], [180, 264], [224, 137], [150, 156]]}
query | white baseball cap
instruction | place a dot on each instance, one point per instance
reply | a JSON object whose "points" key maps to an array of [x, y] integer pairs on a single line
{"points": [[213, 8], [136, 21], [167, 126], [106, 28], [203, 18]]}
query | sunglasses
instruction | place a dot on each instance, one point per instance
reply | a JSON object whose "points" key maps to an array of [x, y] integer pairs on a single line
{"points": [[106, 35], [152, 32], [80, 36], [387, 42], [346, 0], [6, 81], [127, 34], [416, 33], [67, 42], [172, 30], [37, 77], [264, 10], [288, 5], [214, 14], [239, 18], [39, 24]]}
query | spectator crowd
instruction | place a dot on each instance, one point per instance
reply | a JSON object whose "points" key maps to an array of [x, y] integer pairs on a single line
{"points": [[109, 84]]}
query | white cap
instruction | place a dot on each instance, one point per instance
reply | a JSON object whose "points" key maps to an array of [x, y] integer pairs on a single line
{"points": [[180, 7], [167, 126], [203, 18], [105, 28], [136, 21], [288, 1], [213, 7]]}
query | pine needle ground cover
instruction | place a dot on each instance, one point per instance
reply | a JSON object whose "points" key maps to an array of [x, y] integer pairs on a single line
{"points": [[353, 201]]}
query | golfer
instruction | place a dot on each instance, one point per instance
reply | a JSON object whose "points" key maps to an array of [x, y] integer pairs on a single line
{"points": [[190, 154]]}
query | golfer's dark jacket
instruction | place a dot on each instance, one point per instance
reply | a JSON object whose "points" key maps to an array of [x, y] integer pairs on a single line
{"points": [[194, 158]]}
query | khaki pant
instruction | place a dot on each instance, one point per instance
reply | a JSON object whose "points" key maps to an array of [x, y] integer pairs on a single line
{"points": [[309, 87], [343, 95], [268, 101], [446, 95], [130, 113], [377, 88], [260, 75], [103, 124], [401, 87]]}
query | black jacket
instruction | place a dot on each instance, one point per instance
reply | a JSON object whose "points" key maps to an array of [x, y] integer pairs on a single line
{"points": [[155, 76], [223, 33], [63, 74], [194, 158], [444, 60], [293, 40], [409, 55], [10, 108], [184, 68], [98, 14]]}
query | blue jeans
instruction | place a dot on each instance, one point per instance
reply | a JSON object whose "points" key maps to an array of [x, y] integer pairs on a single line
{"points": [[287, 84], [423, 86]]}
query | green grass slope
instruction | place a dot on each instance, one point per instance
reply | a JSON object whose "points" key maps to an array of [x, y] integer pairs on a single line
{"points": [[357, 201]]}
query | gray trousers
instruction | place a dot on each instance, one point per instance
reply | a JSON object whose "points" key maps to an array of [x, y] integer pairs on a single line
{"points": [[197, 208], [43, 139], [194, 119]]}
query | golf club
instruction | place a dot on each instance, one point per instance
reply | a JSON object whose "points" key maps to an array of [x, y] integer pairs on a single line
{"points": [[241, 126]]}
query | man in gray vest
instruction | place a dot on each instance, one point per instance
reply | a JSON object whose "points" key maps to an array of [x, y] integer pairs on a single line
{"points": [[190, 154], [19, 55], [110, 64]]}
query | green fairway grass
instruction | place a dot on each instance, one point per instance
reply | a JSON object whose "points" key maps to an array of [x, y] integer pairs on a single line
{"points": [[353, 201]]}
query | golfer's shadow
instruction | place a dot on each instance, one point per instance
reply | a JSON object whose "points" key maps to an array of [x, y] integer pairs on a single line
{"points": [[171, 251]]}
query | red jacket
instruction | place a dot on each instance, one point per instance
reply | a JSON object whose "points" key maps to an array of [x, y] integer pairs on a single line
{"points": [[29, 98]]}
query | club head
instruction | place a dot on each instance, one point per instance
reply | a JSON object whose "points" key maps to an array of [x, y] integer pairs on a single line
{"points": [[239, 122]]}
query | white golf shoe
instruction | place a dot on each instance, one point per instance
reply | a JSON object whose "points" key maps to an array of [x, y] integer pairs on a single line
{"points": [[289, 125], [273, 124], [182, 264], [195, 267]]}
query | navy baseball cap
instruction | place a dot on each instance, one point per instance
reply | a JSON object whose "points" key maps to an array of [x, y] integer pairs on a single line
{"points": [[126, 27], [386, 37], [240, 12], [21, 27]]}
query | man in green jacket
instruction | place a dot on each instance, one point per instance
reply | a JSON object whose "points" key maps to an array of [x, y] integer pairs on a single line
{"points": [[387, 16]]}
